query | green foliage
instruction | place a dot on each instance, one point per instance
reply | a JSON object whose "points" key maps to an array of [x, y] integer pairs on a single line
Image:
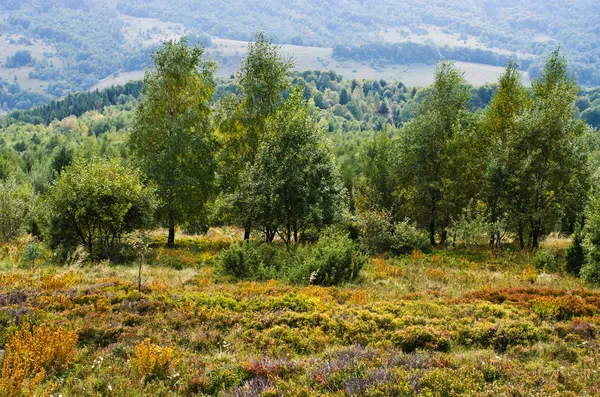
{"points": [[545, 260], [332, 261], [16, 210], [591, 270], [378, 183], [251, 260], [241, 123], [417, 337], [500, 128], [471, 227], [438, 156], [31, 253], [551, 151], [20, 59], [295, 183], [407, 237], [379, 234], [575, 255], [94, 204], [172, 138]]}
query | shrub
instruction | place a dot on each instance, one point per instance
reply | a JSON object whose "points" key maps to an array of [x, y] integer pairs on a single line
{"points": [[575, 255], [30, 353], [94, 204], [16, 209], [31, 253], [471, 227], [407, 238], [545, 260], [333, 260], [417, 337], [375, 230], [150, 360], [250, 260], [591, 270], [378, 234]]}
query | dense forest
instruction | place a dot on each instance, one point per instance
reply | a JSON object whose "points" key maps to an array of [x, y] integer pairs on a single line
{"points": [[288, 231], [89, 41]]}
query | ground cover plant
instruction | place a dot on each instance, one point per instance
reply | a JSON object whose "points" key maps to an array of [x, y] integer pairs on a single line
{"points": [[447, 323]]}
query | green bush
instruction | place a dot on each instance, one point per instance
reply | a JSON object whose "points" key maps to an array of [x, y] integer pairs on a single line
{"points": [[378, 234], [407, 237], [421, 337], [94, 204], [333, 260], [31, 253], [471, 226], [545, 260], [375, 231], [251, 260], [16, 209], [575, 255], [590, 272]]}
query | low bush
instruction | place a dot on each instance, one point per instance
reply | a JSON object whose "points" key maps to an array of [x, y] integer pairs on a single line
{"points": [[332, 260], [417, 337], [378, 234], [30, 354], [251, 260], [151, 361], [591, 272], [575, 255], [545, 260]]}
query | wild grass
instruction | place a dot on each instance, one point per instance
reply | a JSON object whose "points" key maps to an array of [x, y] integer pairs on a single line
{"points": [[459, 322]]}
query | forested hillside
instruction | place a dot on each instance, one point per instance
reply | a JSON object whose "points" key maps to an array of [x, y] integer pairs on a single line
{"points": [[54, 48]]}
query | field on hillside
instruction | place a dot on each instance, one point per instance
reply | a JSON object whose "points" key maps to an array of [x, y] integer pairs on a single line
{"points": [[38, 51], [450, 323], [230, 53], [143, 32]]}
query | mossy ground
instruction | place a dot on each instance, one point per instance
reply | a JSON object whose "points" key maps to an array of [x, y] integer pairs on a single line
{"points": [[451, 323]]}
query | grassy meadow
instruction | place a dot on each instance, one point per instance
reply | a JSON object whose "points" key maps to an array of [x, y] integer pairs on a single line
{"points": [[451, 323]]}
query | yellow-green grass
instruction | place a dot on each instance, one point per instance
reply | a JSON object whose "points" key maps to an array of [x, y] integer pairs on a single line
{"points": [[445, 324]]}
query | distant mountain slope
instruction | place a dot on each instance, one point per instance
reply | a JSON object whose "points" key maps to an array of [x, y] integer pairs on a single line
{"points": [[72, 45]]}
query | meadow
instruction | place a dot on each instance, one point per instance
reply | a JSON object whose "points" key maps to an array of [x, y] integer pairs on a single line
{"points": [[454, 322]]}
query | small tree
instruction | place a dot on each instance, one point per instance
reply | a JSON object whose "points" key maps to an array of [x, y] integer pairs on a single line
{"points": [[172, 138], [575, 255], [552, 153], [344, 97], [295, 182], [591, 270], [15, 209], [263, 77], [94, 204]]}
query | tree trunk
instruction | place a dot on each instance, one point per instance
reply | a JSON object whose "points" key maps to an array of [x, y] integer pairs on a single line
{"points": [[494, 220], [521, 239], [171, 238], [444, 237], [535, 235], [247, 229], [432, 232]]}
